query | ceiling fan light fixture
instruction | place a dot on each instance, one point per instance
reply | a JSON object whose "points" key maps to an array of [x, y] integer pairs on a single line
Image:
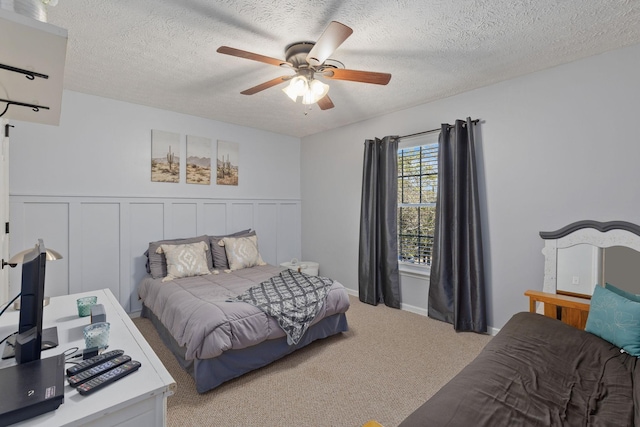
{"points": [[310, 59], [297, 87], [317, 91]]}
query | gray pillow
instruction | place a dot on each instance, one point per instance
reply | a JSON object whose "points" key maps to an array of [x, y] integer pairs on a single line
{"points": [[219, 254], [158, 262]]}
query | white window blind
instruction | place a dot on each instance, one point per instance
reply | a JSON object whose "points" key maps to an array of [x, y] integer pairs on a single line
{"points": [[417, 192]]}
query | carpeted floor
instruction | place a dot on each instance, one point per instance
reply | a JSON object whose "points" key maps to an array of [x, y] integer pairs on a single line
{"points": [[384, 367]]}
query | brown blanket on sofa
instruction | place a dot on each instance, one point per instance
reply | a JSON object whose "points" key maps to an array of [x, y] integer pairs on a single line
{"points": [[538, 371]]}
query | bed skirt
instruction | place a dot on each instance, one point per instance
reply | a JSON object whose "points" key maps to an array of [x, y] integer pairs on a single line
{"points": [[210, 373]]}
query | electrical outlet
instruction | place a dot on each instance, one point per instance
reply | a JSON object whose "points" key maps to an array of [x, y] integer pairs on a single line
{"points": [[575, 280]]}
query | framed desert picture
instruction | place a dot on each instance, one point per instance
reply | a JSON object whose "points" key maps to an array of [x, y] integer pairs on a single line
{"points": [[165, 158], [198, 160], [227, 170]]}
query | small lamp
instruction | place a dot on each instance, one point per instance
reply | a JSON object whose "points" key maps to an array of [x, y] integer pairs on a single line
{"points": [[19, 257]]}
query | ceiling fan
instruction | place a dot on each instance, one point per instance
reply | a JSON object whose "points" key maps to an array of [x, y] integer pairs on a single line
{"points": [[310, 60]]}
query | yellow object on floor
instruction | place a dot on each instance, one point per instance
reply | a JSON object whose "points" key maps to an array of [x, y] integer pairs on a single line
{"points": [[373, 423]]}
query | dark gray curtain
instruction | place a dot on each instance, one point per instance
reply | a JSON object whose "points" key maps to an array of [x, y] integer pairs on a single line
{"points": [[378, 277], [457, 288]]}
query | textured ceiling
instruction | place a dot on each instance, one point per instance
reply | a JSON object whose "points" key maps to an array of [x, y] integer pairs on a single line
{"points": [[162, 53]]}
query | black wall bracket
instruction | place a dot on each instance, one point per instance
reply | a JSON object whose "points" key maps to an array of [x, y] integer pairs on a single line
{"points": [[31, 75], [34, 107]]}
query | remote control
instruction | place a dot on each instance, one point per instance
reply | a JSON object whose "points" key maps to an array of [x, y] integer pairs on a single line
{"points": [[84, 376], [108, 377], [93, 361]]}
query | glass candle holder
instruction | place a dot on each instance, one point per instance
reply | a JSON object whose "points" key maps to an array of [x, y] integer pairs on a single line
{"points": [[96, 335], [84, 305]]}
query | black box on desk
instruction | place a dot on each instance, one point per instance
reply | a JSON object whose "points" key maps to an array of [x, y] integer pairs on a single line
{"points": [[31, 389]]}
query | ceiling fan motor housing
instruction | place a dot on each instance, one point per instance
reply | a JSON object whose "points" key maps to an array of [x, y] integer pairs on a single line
{"points": [[296, 53]]}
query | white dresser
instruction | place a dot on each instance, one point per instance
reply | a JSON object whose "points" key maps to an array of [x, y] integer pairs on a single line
{"points": [[139, 399]]}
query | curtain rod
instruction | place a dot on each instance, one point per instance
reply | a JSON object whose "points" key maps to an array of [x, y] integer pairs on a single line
{"points": [[432, 130]]}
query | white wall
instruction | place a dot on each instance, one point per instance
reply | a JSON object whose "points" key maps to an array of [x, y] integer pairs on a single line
{"points": [[85, 188], [554, 147], [103, 148]]}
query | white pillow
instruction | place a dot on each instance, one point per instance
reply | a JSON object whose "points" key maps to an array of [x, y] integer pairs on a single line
{"points": [[242, 252], [185, 260]]}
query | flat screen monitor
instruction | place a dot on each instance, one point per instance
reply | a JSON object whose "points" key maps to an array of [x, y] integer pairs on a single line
{"points": [[31, 338]]}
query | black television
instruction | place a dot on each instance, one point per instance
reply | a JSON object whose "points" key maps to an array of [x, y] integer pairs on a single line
{"points": [[31, 339]]}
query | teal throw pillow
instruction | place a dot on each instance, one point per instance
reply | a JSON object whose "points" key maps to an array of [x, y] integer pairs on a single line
{"points": [[627, 295], [616, 319]]}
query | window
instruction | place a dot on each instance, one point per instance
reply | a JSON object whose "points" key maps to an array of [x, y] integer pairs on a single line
{"points": [[417, 191]]}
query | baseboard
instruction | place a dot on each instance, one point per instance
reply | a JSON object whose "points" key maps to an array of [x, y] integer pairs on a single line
{"points": [[413, 309], [351, 292], [421, 311]]}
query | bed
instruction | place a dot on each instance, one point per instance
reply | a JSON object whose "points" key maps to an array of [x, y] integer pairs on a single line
{"points": [[215, 336], [538, 371], [569, 361]]}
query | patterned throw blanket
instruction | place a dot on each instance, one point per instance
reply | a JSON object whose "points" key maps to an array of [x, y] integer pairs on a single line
{"points": [[294, 299]]}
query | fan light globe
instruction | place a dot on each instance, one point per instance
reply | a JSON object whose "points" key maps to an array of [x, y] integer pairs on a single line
{"points": [[297, 87], [317, 91]]}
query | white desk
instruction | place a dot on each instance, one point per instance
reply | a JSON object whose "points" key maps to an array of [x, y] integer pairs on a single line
{"points": [[137, 400]]}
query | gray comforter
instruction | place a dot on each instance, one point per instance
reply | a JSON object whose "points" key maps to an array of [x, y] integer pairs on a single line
{"points": [[196, 312]]}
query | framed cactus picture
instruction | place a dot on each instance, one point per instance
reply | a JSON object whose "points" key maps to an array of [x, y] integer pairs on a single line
{"points": [[227, 163], [165, 156], [198, 160]]}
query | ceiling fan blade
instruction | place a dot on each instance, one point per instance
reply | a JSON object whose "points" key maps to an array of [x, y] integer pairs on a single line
{"points": [[253, 56], [357, 76], [325, 103], [333, 36], [265, 85]]}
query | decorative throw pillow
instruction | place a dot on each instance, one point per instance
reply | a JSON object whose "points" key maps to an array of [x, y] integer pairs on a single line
{"points": [[157, 263], [219, 255], [185, 260], [627, 295], [616, 319], [242, 252]]}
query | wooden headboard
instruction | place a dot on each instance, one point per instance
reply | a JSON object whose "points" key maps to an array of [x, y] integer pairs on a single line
{"points": [[570, 310], [574, 310]]}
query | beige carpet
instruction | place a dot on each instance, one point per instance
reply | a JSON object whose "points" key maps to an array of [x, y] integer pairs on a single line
{"points": [[384, 367]]}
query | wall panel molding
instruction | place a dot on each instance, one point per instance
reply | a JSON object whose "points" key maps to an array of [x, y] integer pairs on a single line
{"points": [[103, 239]]}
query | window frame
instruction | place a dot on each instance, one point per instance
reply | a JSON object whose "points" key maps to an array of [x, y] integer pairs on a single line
{"points": [[408, 268]]}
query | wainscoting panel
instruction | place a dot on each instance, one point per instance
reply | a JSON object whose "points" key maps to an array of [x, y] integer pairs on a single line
{"points": [[146, 224], [289, 231], [241, 216], [215, 219], [44, 220], [267, 223], [100, 242], [184, 219], [103, 239]]}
